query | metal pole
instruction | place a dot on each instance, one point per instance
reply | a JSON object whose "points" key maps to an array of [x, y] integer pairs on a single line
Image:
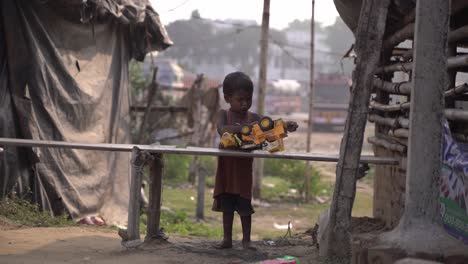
{"points": [[258, 168], [311, 98]]}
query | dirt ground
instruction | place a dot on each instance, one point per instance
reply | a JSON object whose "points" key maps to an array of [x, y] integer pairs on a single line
{"points": [[82, 244], [100, 245]]}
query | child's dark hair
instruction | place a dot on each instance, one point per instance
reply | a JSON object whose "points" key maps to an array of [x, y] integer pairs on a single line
{"points": [[236, 81]]}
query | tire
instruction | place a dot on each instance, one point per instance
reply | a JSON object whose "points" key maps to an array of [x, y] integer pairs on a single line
{"points": [[266, 123], [246, 130]]}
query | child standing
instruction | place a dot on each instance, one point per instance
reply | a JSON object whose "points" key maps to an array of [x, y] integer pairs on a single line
{"points": [[233, 185]]}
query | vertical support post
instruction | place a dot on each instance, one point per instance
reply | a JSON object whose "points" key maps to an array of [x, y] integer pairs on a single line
{"points": [[258, 163], [426, 112], [420, 229], [155, 191], [336, 240], [199, 214], [311, 99], [197, 135], [152, 92], [451, 76], [138, 161]]}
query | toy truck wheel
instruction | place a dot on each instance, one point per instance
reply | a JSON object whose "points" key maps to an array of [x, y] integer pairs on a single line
{"points": [[266, 123], [246, 130]]}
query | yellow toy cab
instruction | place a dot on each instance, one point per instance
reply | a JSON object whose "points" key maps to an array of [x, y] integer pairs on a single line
{"points": [[266, 134]]}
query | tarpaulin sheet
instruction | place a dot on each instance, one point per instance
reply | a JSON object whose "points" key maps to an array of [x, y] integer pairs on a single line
{"points": [[454, 186], [64, 76]]}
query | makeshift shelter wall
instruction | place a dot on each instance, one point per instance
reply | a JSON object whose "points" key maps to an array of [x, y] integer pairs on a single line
{"points": [[66, 80]]}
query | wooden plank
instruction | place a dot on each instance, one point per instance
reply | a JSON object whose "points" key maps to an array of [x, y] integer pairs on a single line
{"points": [[133, 229], [369, 38], [155, 190], [170, 109]]}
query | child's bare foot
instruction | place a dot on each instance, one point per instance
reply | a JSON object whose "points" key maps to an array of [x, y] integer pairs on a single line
{"points": [[225, 244], [247, 244]]}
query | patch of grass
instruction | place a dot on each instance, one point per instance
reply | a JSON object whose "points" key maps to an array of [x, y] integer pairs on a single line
{"points": [[25, 213], [363, 204], [275, 189], [369, 178], [179, 223]]}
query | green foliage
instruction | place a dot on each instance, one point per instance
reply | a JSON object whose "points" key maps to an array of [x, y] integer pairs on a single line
{"points": [[293, 173], [176, 168], [339, 36], [179, 223], [138, 81], [199, 40], [208, 164], [25, 213], [275, 189], [369, 178]]}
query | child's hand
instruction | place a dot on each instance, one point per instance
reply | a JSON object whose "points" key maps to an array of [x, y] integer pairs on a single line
{"points": [[291, 126]]}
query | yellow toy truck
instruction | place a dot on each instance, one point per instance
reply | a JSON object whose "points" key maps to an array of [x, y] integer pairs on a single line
{"points": [[267, 134]]}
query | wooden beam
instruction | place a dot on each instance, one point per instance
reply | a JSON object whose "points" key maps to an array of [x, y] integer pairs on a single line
{"points": [[188, 151], [369, 37], [155, 191], [420, 231], [451, 63], [138, 162], [171, 109], [387, 144]]}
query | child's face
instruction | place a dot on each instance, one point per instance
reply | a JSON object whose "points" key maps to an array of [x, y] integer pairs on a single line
{"points": [[240, 101]]}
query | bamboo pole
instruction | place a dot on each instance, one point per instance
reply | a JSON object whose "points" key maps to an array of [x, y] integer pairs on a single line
{"points": [[450, 113], [389, 108], [137, 164], [197, 135], [399, 36], [456, 114], [155, 191], [311, 100], [393, 88], [399, 133], [151, 94], [390, 121], [369, 37], [387, 144], [404, 88], [262, 85], [455, 36], [200, 177], [452, 62]]}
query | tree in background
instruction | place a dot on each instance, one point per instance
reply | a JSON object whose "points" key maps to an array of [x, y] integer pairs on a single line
{"points": [[339, 39], [339, 36], [198, 40]]}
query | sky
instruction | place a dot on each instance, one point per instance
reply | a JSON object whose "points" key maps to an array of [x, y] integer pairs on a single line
{"points": [[281, 11]]}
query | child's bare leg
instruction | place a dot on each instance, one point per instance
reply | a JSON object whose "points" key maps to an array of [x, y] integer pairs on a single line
{"points": [[246, 230], [228, 219]]}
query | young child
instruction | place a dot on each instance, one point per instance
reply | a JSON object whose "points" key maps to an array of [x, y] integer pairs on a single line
{"points": [[233, 185]]}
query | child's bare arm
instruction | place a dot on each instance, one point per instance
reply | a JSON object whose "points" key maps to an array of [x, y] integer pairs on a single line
{"points": [[221, 124]]}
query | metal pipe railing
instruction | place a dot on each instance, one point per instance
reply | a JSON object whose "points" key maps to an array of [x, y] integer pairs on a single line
{"points": [[143, 155]]}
